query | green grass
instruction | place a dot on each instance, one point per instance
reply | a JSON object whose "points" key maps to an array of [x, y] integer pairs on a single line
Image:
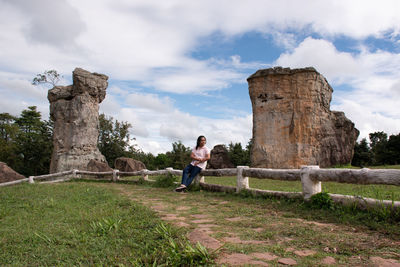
{"points": [[84, 224], [285, 223], [349, 166], [389, 192]]}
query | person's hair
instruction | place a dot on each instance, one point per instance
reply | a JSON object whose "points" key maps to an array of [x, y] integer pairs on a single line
{"points": [[199, 140]]}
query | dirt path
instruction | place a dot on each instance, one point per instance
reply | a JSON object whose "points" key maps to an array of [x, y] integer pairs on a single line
{"points": [[253, 232]]}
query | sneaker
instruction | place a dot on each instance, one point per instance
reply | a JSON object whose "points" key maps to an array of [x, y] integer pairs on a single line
{"points": [[180, 188]]}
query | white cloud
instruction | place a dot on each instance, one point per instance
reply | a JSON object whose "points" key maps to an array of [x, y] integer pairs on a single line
{"points": [[149, 101], [324, 56], [366, 120], [150, 42], [373, 76], [134, 40], [156, 128], [49, 22]]}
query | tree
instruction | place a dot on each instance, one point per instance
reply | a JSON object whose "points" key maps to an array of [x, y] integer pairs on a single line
{"points": [[379, 148], [362, 154], [26, 142], [114, 139], [34, 142], [238, 155], [8, 145], [48, 77], [179, 156], [162, 161], [249, 147], [393, 149]]}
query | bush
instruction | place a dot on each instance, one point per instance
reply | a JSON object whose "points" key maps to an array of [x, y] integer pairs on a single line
{"points": [[322, 201], [167, 180]]}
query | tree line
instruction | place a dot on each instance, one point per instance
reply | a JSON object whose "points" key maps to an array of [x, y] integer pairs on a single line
{"points": [[26, 142], [26, 146], [382, 150], [114, 142]]}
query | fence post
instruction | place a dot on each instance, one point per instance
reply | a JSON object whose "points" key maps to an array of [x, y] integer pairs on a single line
{"points": [[144, 175], [310, 187], [198, 179], [241, 182], [31, 180], [115, 175]]}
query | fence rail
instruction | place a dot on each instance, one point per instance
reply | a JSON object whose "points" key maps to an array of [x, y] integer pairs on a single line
{"points": [[310, 177]]}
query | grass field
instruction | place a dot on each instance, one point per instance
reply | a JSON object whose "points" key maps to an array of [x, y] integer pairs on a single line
{"points": [[103, 223], [73, 224], [389, 192]]}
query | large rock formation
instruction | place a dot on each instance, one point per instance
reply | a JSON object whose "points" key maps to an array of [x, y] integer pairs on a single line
{"points": [[7, 174], [98, 166], [75, 112], [292, 121], [124, 164], [219, 158]]}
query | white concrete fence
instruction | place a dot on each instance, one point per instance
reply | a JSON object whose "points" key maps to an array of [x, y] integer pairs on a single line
{"points": [[310, 177]]}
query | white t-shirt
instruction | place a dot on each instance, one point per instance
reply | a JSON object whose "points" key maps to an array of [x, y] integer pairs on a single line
{"points": [[200, 153]]}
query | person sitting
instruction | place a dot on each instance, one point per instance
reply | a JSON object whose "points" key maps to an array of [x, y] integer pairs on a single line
{"points": [[200, 154]]}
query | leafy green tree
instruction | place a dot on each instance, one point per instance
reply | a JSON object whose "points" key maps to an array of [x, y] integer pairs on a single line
{"points": [[146, 158], [249, 147], [33, 143], [162, 161], [362, 154], [393, 149], [378, 145], [8, 145], [238, 155], [179, 156], [51, 77], [114, 139]]}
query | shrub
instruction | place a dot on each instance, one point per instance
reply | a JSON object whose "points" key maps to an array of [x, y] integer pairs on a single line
{"points": [[322, 201], [167, 180]]}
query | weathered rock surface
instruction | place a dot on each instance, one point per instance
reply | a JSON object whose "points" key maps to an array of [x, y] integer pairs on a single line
{"points": [[219, 158], [98, 166], [75, 112], [7, 174], [292, 121], [128, 165]]}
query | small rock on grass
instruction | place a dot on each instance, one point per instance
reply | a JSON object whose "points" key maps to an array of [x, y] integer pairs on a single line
{"points": [[304, 253], [264, 256], [287, 261], [381, 262], [328, 261]]}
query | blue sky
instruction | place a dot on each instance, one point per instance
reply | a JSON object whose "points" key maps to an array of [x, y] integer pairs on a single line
{"points": [[178, 69]]}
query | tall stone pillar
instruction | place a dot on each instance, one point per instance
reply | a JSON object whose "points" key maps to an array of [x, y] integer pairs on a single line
{"points": [[74, 110], [292, 121]]}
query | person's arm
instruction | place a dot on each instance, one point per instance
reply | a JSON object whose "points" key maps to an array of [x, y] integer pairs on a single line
{"points": [[206, 158], [193, 157]]}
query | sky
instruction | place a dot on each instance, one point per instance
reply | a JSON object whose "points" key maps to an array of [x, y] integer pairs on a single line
{"points": [[178, 68]]}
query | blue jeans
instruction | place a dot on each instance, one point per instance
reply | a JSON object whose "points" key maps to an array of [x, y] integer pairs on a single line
{"points": [[189, 172]]}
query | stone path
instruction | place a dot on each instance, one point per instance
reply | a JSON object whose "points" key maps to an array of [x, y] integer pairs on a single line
{"points": [[219, 231]]}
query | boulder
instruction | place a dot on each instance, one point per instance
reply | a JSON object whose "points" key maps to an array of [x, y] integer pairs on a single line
{"points": [[219, 158], [292, 121], [129, 165], [98, 166], [7, 174], [74, 110]]}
